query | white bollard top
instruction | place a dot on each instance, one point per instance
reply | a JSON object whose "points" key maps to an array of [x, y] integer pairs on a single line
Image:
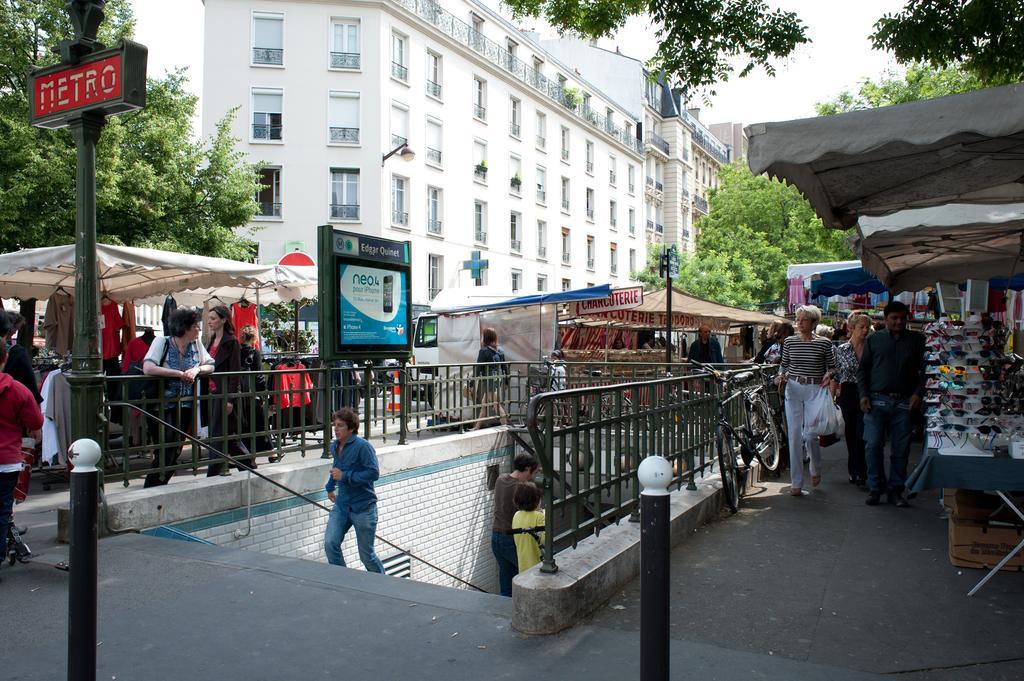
{"points": [[85, 454], [655, 475]]}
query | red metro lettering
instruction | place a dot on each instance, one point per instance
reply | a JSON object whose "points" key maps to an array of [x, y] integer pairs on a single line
{"points": [[78, 87]]}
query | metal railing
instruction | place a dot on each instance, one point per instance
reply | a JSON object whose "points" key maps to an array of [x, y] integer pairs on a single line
{"points": [[268, 55], [541, 141], [632, 188], [590, 263], [345, 60], [434, 226], [266, 132], [480, 172], [480, 112], [565, 204], [400, 72], [434, 155], [339, 134], [270, 210], [566, 257], [480, 235], [656, 141], [565, 154], [542, 196], [461, 32], [542, 252], [398, 140], [399, 217], [515, 186], [590, 166], [590, 441], [611, 177], [700, 203], [515, 245], [514, 129], [433, 89], [590, 213], [345, 211]]}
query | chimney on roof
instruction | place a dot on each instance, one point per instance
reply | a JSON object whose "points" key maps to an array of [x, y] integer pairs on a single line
{"points": [[695, 112]]}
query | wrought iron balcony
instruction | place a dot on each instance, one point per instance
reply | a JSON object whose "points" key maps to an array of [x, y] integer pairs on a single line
{"points": [[345, 60], [611, 177], [542, 252], [399, 217], [686, 234], [656, 141], [463, 33], [590, 167], [433, 89], [613, 222], [515, 185], [700, 203], [266, 132], [614, 267], [658, 186], [269, 210], [345, 211], [632, 228], [514, 129], [541, 141], [590, 263], [650, 225], [399, 71], [480, 172], [397, 141], [480, 112], [565, 204], [480, 235], [659, 229], [516, 245], [434, 226], [565, 154], [632, 188], [268, 55], [344, 135], [566, 258], [542, 196], [434, 155], [590, 213]]}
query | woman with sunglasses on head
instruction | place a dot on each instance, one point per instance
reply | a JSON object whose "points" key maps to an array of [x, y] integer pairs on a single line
{"points": [[844, 387]]}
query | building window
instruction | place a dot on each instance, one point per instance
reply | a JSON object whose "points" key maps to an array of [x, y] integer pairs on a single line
{"points": [[542, 283], [613, 214], [345, 44], [267, 39], [631, 179], [434, 210], [434, 141], [515, 233], [612, 174], [632, 221], [480, 161], [435, 275], [399, 67], [479, 99], [542, 239], [269, 194], [480, 222], [591, 252], [590, 204], [632, 260], [399, 125], [590, 157], [542, 184], [565, 143], [566, 246], [565, 194], [433, 74], [515, 117], [517, 280], [343, 127], [344, 194], [566, 284], [542, 130], [613, 254], [538, 65], [267, 117], [515, 181], [399, 201]]}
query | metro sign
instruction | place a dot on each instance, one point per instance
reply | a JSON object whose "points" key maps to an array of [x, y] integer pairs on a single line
{"points": [[107, 82]]}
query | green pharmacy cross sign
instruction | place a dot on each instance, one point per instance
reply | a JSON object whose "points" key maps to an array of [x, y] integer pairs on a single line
{"points": [[476, 266]]}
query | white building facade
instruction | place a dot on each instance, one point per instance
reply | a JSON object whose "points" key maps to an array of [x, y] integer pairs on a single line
{"points": [[516, 156]]}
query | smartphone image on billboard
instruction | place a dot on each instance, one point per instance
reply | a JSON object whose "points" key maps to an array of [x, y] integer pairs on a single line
{"points": [[389, 289]]}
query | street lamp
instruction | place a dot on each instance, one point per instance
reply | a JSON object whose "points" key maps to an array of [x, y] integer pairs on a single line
{"points": [[404, 152]]}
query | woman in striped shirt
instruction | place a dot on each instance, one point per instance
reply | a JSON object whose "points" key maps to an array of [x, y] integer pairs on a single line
{"points": [[807, 363]]}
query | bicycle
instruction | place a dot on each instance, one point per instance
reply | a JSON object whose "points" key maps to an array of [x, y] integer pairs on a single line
{"points": [[757, 438]]}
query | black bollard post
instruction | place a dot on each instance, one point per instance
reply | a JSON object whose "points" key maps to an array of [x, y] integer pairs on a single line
{"points": [[655, 474], [83, 561]]}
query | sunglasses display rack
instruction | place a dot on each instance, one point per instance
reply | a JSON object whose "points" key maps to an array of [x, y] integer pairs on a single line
{"points": [[966, 411]]}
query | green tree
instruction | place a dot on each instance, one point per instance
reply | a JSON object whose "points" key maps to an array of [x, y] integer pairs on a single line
{"points": [[156, 186], [768, 225], [919, 82], [698, 40], [723, 278], [986, 37]]}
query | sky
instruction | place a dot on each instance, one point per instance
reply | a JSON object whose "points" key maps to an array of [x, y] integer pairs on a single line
{"points": [[838, 58]]}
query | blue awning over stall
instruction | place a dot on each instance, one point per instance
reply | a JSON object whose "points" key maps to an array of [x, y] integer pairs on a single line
{"points": [[845, 282]]}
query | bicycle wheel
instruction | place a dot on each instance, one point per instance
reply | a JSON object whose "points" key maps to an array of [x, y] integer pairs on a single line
{"points": [[765, 436], [725, 443]]}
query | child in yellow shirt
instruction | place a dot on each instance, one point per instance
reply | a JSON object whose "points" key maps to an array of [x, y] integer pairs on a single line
{"points": [[527, 524]]}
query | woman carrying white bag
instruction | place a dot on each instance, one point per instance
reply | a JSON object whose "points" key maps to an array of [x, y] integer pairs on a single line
{"points": [[807, 363]]}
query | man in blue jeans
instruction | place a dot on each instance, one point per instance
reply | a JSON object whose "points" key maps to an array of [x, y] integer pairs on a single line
{"points": [[891, 381], [350, 487], [503, 545]]}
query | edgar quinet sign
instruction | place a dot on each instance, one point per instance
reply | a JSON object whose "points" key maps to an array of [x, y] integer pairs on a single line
{"points": [[106, 82]]}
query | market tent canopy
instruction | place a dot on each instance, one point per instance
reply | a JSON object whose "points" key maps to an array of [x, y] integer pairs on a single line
{"points": [[127, 273], [966, 148], [845, 282], [912, 249], [807, 270], [688, 313], [453, 301]]}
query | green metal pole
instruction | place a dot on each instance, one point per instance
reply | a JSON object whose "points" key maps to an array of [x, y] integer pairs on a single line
{"points": [[86, 376]]}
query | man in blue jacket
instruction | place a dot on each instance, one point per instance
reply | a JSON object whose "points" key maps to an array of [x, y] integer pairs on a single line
{"points": [[706, 348], [350, 487]]}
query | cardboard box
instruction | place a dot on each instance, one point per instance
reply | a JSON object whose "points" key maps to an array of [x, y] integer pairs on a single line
{"points": [[974, 544], [967, 504]]}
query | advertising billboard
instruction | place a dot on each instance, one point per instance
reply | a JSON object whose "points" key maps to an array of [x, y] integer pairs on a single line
{"points": [[365, 295]]}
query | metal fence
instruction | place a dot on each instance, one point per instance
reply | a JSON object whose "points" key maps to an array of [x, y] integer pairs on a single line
{"points": [[590, 441]]}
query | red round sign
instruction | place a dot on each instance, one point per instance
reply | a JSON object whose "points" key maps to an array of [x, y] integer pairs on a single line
{"points": [[297, 259]]}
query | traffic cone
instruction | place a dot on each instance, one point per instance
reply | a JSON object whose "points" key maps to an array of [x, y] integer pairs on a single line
{"points": [[395, 398]]}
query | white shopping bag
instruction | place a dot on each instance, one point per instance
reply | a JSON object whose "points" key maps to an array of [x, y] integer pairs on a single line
{"points": [[821, 415]]}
